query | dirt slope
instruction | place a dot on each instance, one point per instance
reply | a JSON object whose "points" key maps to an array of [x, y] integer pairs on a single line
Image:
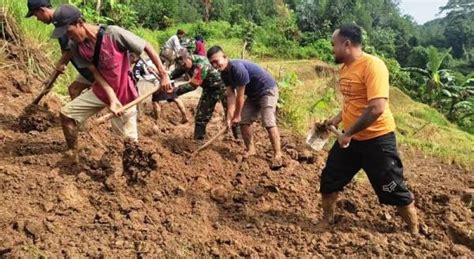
{"points": [[214, 205]]}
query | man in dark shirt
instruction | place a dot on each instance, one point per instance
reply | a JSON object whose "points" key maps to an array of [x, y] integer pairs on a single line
{"points": [[244, 78], [43, 11]]}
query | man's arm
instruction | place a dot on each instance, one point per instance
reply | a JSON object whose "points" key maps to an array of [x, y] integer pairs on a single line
{"points": [[63, 61], [164, 78], [231, 97], [114, 103], [373, 111], [239, 104]]}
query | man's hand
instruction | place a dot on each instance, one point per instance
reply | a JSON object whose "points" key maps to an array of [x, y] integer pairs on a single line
{"points": [[115, 107], [61, 68], [235, 120], [334, 121], [165, 83], [344, 140]]}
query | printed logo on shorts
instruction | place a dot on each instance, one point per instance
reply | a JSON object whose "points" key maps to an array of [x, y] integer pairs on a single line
{"points": [[389, 187]]}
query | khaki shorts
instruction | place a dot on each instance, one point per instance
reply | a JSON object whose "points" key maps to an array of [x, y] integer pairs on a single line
{"points": [[263, 108], [83, 80], [145, 86], [87, 104]]}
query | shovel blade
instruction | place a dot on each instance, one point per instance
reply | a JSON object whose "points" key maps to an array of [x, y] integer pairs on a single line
{"points": [[316, 138]]}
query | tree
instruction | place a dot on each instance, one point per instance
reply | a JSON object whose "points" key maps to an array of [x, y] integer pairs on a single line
{"points": [[458, 96], [459, 33], [207, 7], [458, 6], [431, 74]]}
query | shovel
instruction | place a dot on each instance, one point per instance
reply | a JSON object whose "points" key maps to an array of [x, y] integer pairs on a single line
{"points": [[47, 88], [319, 136], [140, 99], [210, 141]]}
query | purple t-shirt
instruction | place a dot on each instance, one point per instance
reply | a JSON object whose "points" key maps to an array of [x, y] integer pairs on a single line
{"points": [[256, 80]]}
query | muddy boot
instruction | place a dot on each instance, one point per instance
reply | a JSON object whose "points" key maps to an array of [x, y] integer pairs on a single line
{"points": [[329, 209], [199, 132], [236, 132], [408, 214]]}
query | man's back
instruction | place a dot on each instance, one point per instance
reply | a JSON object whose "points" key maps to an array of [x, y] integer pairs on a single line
{"points": [[173, 43], [256, 80]]}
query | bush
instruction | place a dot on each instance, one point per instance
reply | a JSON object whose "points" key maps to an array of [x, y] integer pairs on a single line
{"points": [[323, 50]]}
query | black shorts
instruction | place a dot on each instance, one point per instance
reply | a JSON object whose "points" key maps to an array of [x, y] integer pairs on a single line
{"points": [[163, 96], [380, 160]]}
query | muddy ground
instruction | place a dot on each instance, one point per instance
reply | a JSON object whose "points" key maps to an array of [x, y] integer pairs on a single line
{"points": [[213, 205]]}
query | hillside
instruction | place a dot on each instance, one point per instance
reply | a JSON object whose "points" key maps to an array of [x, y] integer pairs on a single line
{"points": [[215, 205]]}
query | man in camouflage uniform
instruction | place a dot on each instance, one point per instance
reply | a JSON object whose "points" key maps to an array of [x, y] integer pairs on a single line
{"points": [[202, 74]]}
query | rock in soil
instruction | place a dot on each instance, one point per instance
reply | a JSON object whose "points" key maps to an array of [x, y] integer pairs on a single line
{"points": [[137, 163], [219, 194]]}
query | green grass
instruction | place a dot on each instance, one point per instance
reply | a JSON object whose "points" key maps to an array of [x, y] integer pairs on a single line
{"points": [[232, 46], [38, 37], [311, 98], [305, 97], [425, 128]]}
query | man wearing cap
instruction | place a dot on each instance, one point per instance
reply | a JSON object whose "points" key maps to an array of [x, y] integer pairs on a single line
{"points": [[202, 74], [44, 12], [105, 52]]}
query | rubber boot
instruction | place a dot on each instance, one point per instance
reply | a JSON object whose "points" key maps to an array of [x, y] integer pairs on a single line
{"points": [[236, 132], [199, 131]]}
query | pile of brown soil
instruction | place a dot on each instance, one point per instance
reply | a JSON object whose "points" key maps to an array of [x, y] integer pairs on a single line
{"points": [[36, 118], [137, 163]]}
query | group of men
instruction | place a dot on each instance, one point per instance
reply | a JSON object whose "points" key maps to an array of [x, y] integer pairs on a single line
{"points": [[101, 55]]}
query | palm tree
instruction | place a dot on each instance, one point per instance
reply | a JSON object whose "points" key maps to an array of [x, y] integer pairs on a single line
{"points": [[431, 74]]}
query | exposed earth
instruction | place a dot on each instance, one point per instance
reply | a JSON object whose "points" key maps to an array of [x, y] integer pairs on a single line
{"points": [[160, 203]]}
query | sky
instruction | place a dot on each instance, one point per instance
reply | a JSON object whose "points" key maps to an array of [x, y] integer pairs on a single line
{"points": [[422, 10]]}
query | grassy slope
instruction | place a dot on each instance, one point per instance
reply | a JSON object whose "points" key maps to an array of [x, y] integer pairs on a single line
{"points": [[311, 98], [418, 125]]}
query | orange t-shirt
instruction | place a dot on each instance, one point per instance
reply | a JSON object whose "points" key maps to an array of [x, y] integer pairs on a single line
{"points": [[365, 79]]}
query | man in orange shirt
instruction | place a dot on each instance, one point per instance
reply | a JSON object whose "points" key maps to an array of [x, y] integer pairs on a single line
{"points": [[369, 140]]}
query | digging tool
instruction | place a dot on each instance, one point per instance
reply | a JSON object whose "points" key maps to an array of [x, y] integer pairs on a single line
{"points": [[134, 102], [317, 138], [140, 99], [209, 142], [48, 87]]}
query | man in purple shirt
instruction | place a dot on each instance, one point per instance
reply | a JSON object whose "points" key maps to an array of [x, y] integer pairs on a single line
{"points": [[244, 78]]}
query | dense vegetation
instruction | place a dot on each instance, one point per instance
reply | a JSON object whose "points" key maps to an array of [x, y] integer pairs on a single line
{"points": [[432, 62], [438, 56]]}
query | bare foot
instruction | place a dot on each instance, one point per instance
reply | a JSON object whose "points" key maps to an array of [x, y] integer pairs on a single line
{"points": [[71, 158], [276, 163], [323, 225], [249, 153], [156, 116]]}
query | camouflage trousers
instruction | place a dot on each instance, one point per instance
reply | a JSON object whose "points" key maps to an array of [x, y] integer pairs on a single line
{"points": [[207, 104]]}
